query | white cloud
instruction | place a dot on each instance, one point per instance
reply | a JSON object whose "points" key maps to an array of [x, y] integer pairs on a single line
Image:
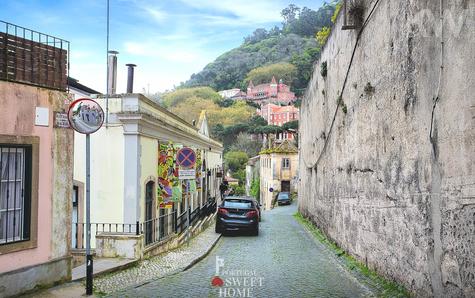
{"points": [[136, 48], [157, 14], [244, 12], [170, 52]]}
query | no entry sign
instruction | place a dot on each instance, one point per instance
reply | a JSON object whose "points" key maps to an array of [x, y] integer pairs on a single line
{"points": [[186, 157]]}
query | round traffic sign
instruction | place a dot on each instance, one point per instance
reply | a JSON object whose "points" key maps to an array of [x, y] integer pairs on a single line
{"points": [[85, 115], [186, 157]]}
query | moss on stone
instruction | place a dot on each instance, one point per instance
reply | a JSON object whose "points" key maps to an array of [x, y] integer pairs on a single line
{"points": [[388, 288]]}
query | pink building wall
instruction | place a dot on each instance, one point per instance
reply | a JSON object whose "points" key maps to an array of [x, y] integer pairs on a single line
{"points": [[18, 104]]}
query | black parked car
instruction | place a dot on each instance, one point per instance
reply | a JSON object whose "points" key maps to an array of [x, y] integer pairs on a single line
{"points": [[238, 214], [258, 205], [283, 198]]}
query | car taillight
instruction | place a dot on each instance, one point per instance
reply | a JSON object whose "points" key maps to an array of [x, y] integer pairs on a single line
{"points": [[251, 214], [222, 211]]}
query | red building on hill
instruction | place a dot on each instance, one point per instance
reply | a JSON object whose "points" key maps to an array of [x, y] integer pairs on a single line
{"points": [[278, 115], [268, 93]]}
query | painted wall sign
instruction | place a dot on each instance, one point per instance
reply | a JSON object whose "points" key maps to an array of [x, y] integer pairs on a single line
{"points": [[61, 120], [169, 187], [186, 157], [85, 115]]}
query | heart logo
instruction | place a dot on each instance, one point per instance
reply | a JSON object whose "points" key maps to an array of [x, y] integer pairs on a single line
{"points": [[217, 282]]}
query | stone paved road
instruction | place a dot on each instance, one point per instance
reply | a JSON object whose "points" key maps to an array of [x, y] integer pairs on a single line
{"points": [[284, 261]]}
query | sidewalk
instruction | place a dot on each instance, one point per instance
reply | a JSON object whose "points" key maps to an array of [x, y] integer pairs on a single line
{"points": [[102, 266], [165, 264]]}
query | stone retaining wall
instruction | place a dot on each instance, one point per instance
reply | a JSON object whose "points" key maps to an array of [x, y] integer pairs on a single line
{"points": [[393, 180]]}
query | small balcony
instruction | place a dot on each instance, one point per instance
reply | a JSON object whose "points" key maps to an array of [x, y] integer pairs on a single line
{"points": [[33, 58]]}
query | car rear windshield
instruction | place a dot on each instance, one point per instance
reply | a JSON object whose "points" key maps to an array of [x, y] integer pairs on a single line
{"points": [[283, 195], [241, 204]]}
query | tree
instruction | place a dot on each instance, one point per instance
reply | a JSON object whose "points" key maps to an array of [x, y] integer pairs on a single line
{"points": [[230, 69], [190, 109], [257, 121], [290, 14], [304, 64], [285, 71], [308, 21], [239, 190], [236, 160], [291, 125], [227, 102], [217, 131], [178, 96], [255, 190], [244, 142], [256, 36], [275, 31], [279, 45], [240, 175]]}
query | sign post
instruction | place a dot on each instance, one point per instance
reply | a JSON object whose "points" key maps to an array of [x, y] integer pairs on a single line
{"points": [[186, 158], [86, 116]]}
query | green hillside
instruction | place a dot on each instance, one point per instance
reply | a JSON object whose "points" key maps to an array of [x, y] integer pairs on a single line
{"points": [[295, 43]]}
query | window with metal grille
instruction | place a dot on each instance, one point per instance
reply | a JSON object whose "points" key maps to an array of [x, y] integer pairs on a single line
{"points": [[15, 194]]}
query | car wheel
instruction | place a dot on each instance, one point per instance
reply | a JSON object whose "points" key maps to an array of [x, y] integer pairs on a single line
{"points": [[255, 232], [217, 229]]}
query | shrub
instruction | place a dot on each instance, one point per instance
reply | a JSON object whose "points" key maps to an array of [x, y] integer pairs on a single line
{"points": [[323, 69]]}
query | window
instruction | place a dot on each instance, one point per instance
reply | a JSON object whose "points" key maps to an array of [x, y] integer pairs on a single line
{"points": [[19, 165], [285, 163], [15, 193]]}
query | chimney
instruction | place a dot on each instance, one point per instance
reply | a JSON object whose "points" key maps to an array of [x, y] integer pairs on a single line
{"points": [[112, 70], [130, 78]]}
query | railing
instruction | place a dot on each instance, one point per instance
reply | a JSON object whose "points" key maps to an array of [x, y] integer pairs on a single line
{"points": [[31, 57], [154, 230], [158, 229], [79, 231], [194, 216], [180, 223]]}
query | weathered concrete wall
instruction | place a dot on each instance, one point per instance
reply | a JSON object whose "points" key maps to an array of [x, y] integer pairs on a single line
{"points": [[35, 277], [34, 265], [380, 188], [128, 246]]}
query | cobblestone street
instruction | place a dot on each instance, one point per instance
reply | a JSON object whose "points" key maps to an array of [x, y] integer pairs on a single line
{"points": [[162, 265], [284, 261]]}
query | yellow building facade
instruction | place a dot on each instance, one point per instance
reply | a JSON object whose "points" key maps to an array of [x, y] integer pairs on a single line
{"points": [[278, 171]]}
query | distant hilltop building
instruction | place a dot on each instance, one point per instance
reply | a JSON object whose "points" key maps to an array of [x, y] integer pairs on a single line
{"points": [[262, 93], [273, 92], [279, 115], [235, 94]]}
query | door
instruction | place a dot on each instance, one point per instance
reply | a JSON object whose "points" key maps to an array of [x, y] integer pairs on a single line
{"points": [[149, 212], [285, 186]]}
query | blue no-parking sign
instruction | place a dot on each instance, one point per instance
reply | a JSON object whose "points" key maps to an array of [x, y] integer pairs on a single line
{"points": [[186, 157]]}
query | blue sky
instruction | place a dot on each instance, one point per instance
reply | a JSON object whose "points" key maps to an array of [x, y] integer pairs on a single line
{"points": [[168, 40]]}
